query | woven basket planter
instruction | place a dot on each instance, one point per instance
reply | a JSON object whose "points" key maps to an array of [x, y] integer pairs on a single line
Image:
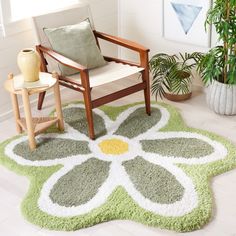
{"points": [[221, 98], [180, 96]]}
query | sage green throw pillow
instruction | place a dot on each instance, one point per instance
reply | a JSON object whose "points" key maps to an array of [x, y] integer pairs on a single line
{"points": [[78, 43]]}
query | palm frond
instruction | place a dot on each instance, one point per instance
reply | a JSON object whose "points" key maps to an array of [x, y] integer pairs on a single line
{"points": [[169, 72]]}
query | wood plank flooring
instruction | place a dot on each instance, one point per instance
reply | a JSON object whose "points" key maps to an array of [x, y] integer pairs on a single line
{"points": [[195, 113]]}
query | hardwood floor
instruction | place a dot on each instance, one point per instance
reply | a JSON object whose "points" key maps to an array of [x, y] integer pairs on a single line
{"points": [[195, 113]]}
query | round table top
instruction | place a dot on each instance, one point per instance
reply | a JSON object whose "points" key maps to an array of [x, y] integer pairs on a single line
{"points": [[15, 85]]}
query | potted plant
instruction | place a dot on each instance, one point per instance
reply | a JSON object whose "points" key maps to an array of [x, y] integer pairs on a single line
{"points": [[172, 75], [218, 66]]}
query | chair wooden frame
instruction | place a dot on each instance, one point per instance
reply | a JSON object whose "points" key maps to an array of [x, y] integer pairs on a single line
{"points": [[85, 88]]}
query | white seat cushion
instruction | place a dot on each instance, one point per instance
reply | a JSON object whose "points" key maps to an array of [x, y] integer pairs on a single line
{"points": [[111, 72]]}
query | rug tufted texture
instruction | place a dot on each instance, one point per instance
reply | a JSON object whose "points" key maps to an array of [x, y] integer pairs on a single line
{"points": [[151, 169]]}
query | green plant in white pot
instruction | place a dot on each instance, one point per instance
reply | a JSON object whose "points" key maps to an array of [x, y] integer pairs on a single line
{"points": [[218, 66], [172, 75]]}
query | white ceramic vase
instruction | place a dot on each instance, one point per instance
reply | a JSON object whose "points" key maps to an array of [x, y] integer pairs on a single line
{"points": [[28, 61], [221, 98]]}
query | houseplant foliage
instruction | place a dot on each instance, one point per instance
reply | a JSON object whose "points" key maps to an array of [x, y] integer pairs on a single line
{"points": [[172, 74], [218, 66]]}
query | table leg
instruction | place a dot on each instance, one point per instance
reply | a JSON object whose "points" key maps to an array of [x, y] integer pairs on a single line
{"points": [[15, 105], [16, 111], [58, 103], [28, 118]]}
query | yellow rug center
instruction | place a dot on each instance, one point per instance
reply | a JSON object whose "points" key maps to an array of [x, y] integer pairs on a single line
{"points": [[114, 146]]}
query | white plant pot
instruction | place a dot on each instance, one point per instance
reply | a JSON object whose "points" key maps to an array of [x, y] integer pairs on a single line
{"points": [[28, 61], [221, 98]]}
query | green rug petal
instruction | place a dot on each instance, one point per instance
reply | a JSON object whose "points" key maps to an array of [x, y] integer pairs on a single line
{"points": [[119, 204], [148, 179], [132, 126], [49, 148], [89, 177], [178, 147], [76, 117]]}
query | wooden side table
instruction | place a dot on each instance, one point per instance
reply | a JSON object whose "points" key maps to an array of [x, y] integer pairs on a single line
{"points": [[35, 125]]}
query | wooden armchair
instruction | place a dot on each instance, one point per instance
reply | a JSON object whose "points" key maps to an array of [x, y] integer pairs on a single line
{"points": [[87, 79]]}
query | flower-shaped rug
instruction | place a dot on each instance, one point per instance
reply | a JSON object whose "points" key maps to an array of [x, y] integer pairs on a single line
{"points": [[150, 169]]}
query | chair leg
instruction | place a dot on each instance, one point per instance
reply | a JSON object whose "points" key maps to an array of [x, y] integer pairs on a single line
{"points": [[40, 100], [145, 78], [89, 113]]}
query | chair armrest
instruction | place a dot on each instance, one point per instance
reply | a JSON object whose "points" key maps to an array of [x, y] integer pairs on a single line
{"points": [[122, 42], [67, 62], [62, 59]]}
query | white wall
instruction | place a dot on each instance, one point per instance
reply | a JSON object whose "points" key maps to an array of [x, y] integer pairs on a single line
{"points": [[9, 48], [105, 17], [142, 21]]}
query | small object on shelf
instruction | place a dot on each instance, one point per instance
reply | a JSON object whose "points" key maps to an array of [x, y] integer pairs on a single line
{"points": [[35, 125], [28, 61]]}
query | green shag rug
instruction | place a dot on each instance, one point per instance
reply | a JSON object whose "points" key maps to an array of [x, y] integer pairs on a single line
{"points": [[151, 169]]}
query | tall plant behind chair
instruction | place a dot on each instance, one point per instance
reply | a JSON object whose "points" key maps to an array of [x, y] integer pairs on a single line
{"points": [[220, 62]]}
